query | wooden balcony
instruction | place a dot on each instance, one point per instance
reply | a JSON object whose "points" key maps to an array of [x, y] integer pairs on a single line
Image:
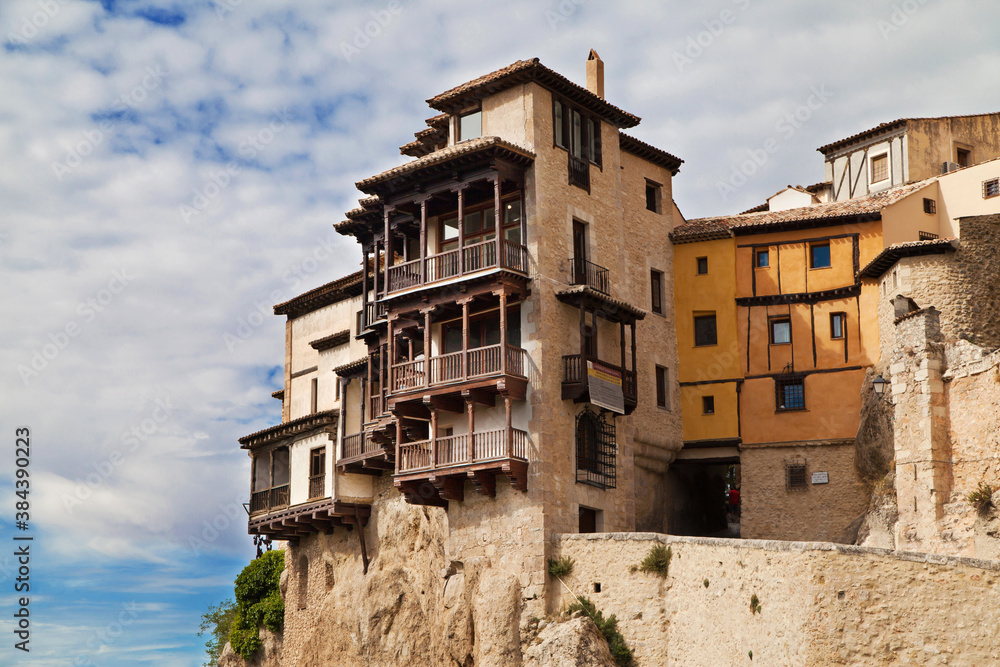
{"points": [[458, 368], [291, 523], [374, 312], [366, 454], [269, 499], [317, 487], [575, 380], [579, 172], [492, 254], [432, 472], [587, 273]]}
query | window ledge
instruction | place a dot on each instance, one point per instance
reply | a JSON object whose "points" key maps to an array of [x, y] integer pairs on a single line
{"points": [[820, 268], [783, 410]]}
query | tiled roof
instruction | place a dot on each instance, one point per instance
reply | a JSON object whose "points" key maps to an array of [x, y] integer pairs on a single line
{"points": [[523, 71], [324, 295], [280, 394], [289, 429], [351, 367], [885, 259], [885, 127], [650, 153], [612, 307], [443, 155], [701, 229], [331, 341]]}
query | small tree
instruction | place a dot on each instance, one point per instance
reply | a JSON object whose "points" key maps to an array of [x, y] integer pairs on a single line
{"points": [[258, 602], [217, 621]]}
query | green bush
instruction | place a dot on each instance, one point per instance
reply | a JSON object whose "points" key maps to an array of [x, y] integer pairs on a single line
{"points": [[609, 628], [657, 560], [258, 602], [560, 567], [982, 497]]}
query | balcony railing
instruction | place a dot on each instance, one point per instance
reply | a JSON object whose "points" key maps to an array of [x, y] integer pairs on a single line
{"points": [[479, 362], [587, 273], [454, 450], [374, 312], [358, 446], [575, 372], [317, 487], [477, 257], [579, 172], [269, 499], [375, 406]]}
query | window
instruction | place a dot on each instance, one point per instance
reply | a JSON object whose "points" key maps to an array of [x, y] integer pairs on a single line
{"points": [[781, 330], [930, 206], [963, 156], [589, 521], [702, 265], [484, 329], [708, 405], [926, 236], [880, 168], [653, 197], [336, 390], [762, 259], [317, 472], [662, 388], [819, 256], [704, 330], [656, 290], [357, 322], [795, 476], [470, 126], [558, 120], [790, 392], [596, 446], [580, 135], [314, 396], [269, 486], [837, 321], [991, 188], [480, 226]]}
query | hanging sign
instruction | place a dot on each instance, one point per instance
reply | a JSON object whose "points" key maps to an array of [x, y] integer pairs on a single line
{"points": [[605, 387]]}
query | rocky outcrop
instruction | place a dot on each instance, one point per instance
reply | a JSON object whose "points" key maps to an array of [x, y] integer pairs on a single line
{"points": [[574, 643], [268, 656]]}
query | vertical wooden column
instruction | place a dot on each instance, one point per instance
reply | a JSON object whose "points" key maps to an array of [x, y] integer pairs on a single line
{"points": [[399, 438], [342, 417], [633, 351], [470, 409], [524, 219], [461, 230], [622, 326], [423, 244], [381, 379], [375, 271], [391, 353], [508, 431], [388, 250], [501, 250], [365, 384], [427, 347], [503, 331], [465, 338], [434, 435], [364, 288]]}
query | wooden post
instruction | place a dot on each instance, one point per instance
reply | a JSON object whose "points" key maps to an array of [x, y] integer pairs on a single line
{"points": [[365, 384], [461, 230], [427, 347], [465, 338], [364, 288], [503, 331], [470, 408], [399, 436], [501, 254], [423, 243], [508, 432], [391, 353], [381, 378], [375, 252], [524, 220], [388, 250], [342, 417], [621, 324], [434, 435], [633, 358]]}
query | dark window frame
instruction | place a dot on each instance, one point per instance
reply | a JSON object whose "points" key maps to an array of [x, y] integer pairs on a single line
{"points": [[772, 322], [596, 447], [708, 405], [654, 196], [699, 263], [813, 247], [513, 317], [766, 254], [714, 329], [796, 476], [834, 318], [930, 206], [458, 124], [480, 236], [589, 147], [877, 164], [991, 188], [785, 401], [656, 291], [662, 387]]}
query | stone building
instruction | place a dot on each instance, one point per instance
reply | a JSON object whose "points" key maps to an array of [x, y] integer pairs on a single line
{"points": [[509, 368]]}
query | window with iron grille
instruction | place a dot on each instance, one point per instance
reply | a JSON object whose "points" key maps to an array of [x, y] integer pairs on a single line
{"points": [[930, 206], [789, 392], [795, 475], [991, 188], [926, 236], [880, 168], [596, 447]]}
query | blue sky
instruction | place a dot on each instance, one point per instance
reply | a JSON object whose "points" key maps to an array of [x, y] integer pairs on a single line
{"points": [[170, 170]]}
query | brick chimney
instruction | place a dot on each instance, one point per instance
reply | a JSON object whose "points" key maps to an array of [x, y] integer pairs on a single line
{"points": [[595, 74]]}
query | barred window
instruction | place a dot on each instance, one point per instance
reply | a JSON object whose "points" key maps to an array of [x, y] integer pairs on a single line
{"points": [[991, 188], [795, 475], [930, 206], [789, 392], [880, 168], [595, 449]]}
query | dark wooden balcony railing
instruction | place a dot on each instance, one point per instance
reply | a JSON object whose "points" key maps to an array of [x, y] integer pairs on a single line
{"points": [[375, 407], [587, 273], [477, 257], [575, 372], [454, 450], [359, 445], [446, 368], [317, 487], [269, 499], [374, 312], [579, 172]]}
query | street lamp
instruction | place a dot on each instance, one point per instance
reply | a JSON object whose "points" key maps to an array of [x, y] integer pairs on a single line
{"points": [[878, 386]]}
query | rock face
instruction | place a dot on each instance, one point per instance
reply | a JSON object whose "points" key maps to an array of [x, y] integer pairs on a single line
{"points": [[576, 643], [269, 655]]}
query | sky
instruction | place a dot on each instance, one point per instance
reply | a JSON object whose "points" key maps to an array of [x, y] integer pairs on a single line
{"points": [[171, 170]]}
